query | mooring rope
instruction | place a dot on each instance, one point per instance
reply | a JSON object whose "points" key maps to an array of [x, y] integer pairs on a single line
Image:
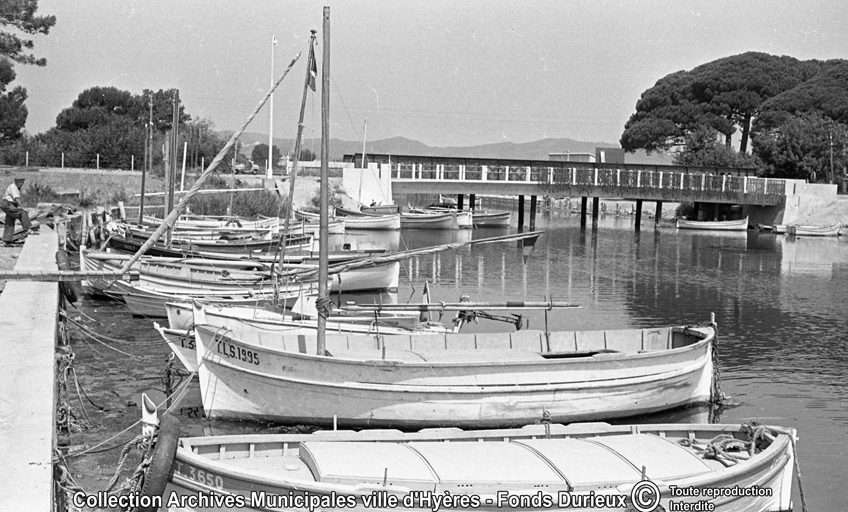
{"points": [[139, 441], [324, 306]]}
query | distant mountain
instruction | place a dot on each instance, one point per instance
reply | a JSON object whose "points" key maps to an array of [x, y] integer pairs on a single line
{"points": [[536, 150]]}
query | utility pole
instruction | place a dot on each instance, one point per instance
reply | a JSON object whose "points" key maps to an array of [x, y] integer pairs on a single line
{"points": [[148, 142], [830, 136], [175, 137], [269, 173]]}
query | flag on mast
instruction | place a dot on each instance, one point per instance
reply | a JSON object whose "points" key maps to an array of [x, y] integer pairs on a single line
{"points": [[313, 70], [274, 40]]}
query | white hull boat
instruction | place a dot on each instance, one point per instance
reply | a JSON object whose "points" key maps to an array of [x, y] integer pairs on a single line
{"points": [[490, 219], [465, 380], [428, 221], [580, 467], [832, 230], [717, 225], [373, 223]]}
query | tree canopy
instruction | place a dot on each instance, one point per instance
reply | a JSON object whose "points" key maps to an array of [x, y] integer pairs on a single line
{"points": [[725, 95], [109, 126], [13, 112], [20, 15], [260, 154], [786, 110]]}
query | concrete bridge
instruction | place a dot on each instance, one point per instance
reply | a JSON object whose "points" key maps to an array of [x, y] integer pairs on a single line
{"points": [[590, 180], [701, 186]]}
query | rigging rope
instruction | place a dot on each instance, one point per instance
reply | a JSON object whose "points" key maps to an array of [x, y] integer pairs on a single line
{"points": [[171, 218]]}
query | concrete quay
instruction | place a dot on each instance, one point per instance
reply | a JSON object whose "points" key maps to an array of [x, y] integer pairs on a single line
{"points": [[28, 333]]}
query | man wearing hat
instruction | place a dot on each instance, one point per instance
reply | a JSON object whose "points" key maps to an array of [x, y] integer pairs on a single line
{"points": [[10, 204]]}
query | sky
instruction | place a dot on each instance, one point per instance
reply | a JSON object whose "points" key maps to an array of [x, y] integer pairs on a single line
{"points": [[443, 72]]}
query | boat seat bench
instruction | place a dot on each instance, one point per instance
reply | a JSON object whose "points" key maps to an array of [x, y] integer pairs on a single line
{"points": [[529, 341]]}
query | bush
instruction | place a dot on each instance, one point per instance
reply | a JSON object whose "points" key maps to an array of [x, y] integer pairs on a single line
{"points": [[245, 204], [37, 192]]}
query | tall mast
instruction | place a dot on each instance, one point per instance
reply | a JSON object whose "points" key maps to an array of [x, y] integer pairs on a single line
{"points": [[323, 253], [364, 138], [309, 83], [270, 169]]}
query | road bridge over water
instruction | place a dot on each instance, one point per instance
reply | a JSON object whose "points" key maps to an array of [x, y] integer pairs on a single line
{"points": [[700, 185]]}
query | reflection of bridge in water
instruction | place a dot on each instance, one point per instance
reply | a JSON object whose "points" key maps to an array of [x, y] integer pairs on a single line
{"points": [[658, 183]]}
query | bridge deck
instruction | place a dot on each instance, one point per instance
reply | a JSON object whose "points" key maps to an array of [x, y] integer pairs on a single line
{"points": [[581, 181]]}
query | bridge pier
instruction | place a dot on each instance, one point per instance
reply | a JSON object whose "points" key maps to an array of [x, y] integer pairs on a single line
{"points": [[460, 198], [596, 203], [695, 210], [658, 214], [716, 211], [638, 219], [473, 201], [532, 213], [583, 202], [520, 213]]}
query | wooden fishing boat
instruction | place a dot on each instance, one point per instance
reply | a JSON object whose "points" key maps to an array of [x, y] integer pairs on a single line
{"points": [[310, 227], [373, 223], [299, 254], [238, 277], [832, 230], [717, 225], [490, 219], [468, 380], [428, 221], [265, 326], [215, 222], [544, 466], [178, 278], [180, 335], [462, 219], [150, 303], [382, 209]]}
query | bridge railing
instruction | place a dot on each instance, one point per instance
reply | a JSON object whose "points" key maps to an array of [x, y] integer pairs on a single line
{"points": [[628, 182]]}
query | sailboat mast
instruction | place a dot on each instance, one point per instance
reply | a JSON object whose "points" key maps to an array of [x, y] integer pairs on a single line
{"points": [[324, 253], [308, 83]]}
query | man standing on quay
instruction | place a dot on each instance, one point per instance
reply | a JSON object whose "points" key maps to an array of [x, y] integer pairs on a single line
{"points": [[11, 206]]}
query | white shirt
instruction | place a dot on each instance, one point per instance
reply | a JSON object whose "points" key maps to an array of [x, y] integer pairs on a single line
{"points": [[12, 193]]}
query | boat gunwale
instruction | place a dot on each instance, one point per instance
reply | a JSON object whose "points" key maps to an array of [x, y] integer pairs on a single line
{"points": [[706, 339]]}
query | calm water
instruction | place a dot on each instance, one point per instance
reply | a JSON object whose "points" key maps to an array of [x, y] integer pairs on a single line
{"points": [[779, 303]]}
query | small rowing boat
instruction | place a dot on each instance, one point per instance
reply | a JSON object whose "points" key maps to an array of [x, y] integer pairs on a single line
{"points": [[832, 230], [444, 220], [714, 225], [490, 219], [544, 466]]}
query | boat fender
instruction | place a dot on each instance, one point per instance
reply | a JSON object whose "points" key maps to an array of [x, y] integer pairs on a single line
{"points": [[68, 288], [162, 460]]}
